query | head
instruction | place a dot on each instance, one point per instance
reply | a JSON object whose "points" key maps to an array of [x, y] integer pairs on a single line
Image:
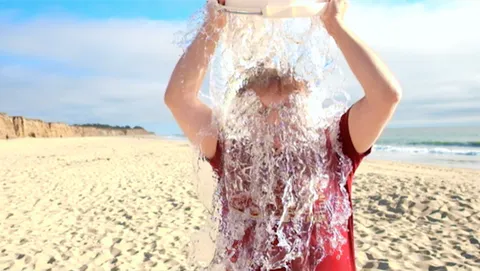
{"points": [[271, 87]]}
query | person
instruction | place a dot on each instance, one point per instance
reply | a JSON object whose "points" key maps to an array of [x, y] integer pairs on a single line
{"points": [[358, 128]]}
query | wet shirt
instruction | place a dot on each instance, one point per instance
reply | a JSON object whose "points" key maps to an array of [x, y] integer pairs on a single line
{"points": [[345, 260]]}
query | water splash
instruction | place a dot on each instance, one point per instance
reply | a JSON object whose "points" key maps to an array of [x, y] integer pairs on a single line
{"points": [[281, 201]]}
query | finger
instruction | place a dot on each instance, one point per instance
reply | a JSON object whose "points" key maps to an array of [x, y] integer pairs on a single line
{"points": [[326, 6], [218, 2]]}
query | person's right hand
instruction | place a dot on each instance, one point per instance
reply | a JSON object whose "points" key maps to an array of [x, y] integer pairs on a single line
{"points": [[333, 13], [215, 18]]}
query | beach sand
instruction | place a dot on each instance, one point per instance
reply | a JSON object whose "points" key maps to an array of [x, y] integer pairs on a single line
{"points": [[123, 203]]}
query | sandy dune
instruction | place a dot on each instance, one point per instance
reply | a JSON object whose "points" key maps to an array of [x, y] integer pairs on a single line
{"points": [[129, 204]]}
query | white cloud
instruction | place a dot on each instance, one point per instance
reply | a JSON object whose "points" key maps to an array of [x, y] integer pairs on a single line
{"points": [[105, 99], [121, 67], [120, 70], [124, 47], [426, 28], [433, 50]]}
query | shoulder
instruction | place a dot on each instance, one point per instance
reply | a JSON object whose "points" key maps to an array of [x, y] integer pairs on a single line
{"points": [[345, 140]]}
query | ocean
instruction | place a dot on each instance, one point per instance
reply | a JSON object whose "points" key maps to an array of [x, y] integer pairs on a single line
{"points": [[453, 146], [447, 146]]}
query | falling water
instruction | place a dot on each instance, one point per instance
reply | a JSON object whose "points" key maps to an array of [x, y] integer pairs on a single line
{"points": [[281, 200]]}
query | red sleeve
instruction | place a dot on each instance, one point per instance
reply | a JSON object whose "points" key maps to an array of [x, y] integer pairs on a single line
{"points": [[216, 160], [347, 145]]}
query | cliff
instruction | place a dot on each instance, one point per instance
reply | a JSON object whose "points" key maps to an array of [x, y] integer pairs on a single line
{"points": [[13, 127]]}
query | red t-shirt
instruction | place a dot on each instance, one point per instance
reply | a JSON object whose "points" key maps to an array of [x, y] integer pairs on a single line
{"points": [[347, 259]]}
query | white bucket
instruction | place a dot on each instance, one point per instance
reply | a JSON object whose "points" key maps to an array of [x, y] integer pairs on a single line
{"points": [[275, 8]]}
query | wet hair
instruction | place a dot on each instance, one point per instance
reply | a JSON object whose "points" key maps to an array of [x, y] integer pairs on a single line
{"points": [[262, 77]]}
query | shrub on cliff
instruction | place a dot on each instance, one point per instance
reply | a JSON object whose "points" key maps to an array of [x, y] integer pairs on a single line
{"points": [[106, 126]]}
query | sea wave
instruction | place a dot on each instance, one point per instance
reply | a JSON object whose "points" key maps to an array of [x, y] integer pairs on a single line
{"points": [[425, 147], [428, 150], [475, 144]]}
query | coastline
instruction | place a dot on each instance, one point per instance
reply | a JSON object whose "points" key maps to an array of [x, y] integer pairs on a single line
{"points": [[447, 161], [378, 154]]}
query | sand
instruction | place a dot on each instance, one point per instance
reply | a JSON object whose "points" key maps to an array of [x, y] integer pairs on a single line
{"points": [[129, 204]]}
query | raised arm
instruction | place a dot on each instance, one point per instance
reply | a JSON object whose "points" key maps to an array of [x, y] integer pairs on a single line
{"points": [[181, 96], [369, 116]]}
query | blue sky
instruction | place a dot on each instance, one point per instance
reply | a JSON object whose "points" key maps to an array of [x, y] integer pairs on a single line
{"points": [[152, 9], [109, 60]]}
